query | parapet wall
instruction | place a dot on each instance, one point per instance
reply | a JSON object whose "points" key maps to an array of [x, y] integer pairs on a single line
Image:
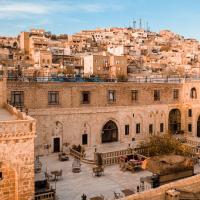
{"points": [[191, 184]]}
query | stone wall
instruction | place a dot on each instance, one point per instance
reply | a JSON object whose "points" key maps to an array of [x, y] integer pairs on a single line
{"points": [[76, 118], [191, 184], [17, 157]]}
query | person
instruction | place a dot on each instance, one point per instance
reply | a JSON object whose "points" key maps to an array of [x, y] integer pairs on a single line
{"points": [[84, 197], [138, 188]]}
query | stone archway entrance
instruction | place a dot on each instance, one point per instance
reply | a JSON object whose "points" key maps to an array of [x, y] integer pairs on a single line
{"points": [[109, 132], [174, 121], [198, 127]]}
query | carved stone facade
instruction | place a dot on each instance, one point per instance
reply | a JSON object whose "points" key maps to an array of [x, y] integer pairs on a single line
{"points": [[82, 109]]}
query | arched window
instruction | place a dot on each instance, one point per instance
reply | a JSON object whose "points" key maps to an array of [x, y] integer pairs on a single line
{"points": [[110, 132], [174, 121], [193, 93]]}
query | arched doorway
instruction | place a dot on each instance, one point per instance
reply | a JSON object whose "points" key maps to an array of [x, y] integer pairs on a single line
{"points": [[174, 121], [198, 127], [109, 132], [57, 137]]}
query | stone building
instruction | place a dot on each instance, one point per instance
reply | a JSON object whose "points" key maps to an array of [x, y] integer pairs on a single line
{"points": [[17, 134], [96, 113], [105, 65]]}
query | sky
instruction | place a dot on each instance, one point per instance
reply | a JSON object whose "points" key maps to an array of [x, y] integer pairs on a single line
{"points": [[71, 16]]}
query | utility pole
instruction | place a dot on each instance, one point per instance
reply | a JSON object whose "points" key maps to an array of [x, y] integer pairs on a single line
{"points": [[140, 23], [147, 26], [134, 24]]}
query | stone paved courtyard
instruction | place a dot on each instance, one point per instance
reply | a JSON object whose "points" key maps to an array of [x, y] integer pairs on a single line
{"points": [[73, 185]]}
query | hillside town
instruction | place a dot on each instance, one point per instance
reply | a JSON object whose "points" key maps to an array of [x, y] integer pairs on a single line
{"points": [[110, 53], [103, 114]]}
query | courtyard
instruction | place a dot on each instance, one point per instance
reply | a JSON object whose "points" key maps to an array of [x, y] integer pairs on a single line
{"points": [[73, 185]]}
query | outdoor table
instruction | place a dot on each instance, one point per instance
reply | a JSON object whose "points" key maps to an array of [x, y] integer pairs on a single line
{"points": [[97, 170], [56, 174], [128, 192]]}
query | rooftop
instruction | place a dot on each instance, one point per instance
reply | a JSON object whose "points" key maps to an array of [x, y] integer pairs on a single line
{"points": [[6, 116]]}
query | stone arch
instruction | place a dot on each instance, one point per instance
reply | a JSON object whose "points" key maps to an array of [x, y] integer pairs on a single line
{"points": [[57, 137], [151, 125], [110, 132], [162, 119], [85, 133], [15, 44], [138, 119], [193, 93], [174, 121]]}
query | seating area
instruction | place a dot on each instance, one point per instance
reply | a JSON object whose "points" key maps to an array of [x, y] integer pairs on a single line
{"points": [[131, 163], [76, 176], [54, 175], [98, 171], [63, 156]]}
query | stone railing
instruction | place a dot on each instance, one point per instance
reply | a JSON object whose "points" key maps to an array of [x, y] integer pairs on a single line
{"points": [[192, 141], [49, 195], [111, 158], [81, 157], [14, 111], [20, 128]]}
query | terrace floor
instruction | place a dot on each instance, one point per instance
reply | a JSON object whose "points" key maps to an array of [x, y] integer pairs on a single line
{"points": [[73, 185]]}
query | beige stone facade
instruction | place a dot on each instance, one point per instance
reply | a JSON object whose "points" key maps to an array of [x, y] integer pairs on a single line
{"points": [[17, 134], [76, 113], [105, 65]]}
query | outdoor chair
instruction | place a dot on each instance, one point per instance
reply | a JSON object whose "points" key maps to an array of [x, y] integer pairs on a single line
{"points": [[117, 195], [49, 177], [59, 174]]}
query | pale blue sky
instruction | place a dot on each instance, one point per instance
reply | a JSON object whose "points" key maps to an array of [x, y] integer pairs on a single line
{"points": [[70, 16]]}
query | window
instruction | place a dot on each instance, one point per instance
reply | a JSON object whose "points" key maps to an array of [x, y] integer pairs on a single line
{"points": [[190, 127], [156, 95], [175, 94], [17, 98], [161, 127], [193, 93], [189, 112], [137, 128], [84, 139], [134, 95], [111, 95], [1, 176], [53, 98], [126, 129], [85, 97], [150, 129]]}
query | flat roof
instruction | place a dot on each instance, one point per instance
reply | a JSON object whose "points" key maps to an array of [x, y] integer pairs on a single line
{"points": [[6, 116]]}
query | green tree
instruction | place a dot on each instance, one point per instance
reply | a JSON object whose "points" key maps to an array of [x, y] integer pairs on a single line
{"points": [[164, 145]]}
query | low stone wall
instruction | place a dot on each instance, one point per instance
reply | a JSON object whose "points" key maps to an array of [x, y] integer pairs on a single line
{"points": [[189, 184]]}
